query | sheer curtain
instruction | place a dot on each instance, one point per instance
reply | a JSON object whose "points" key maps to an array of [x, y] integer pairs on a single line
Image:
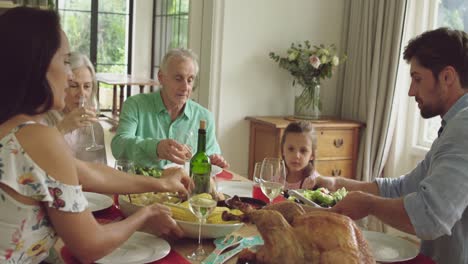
{"points": [[374, 40], [400, 159]]}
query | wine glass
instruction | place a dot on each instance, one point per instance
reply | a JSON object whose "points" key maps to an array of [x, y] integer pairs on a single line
{"points": [[187, 139], [92, 103], [256, 178], [202, 202], [272, 177], [125, 166]]}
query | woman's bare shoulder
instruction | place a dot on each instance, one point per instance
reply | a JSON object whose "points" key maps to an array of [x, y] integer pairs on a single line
{"points": [[47, 147]]}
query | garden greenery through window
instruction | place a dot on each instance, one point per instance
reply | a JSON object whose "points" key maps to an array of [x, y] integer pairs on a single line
{"points": [[171, 26], [100, 30]]}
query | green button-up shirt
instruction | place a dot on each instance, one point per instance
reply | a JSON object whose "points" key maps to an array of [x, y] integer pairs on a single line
{"points": [[144, 121]]}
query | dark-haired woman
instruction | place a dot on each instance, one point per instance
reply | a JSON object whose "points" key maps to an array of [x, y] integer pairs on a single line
{"points": [[41, 183]]}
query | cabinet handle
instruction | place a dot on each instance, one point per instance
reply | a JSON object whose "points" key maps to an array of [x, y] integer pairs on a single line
{"points": [[336, 172], [338, 142]]}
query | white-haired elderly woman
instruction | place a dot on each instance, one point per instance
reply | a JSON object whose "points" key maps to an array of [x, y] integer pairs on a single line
{"points": [[74, 121]]}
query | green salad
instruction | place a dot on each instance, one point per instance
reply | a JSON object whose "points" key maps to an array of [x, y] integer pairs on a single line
{"points": [[325, 198], [148, 171]]}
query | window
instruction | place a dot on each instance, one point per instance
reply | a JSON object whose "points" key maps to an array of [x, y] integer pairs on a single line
{"points": [[171, 26], [100, 30], [453, 14]]}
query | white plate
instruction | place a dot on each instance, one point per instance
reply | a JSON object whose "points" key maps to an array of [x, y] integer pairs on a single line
{"points": [[239, 188], [387, 248], [138, 249], [97, 201], [214, 169]]}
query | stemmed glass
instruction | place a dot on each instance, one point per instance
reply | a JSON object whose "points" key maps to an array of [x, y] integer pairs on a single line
{"points": [[202, 202], [272, 177], [187, 139], [92, 103], [125, 166]]}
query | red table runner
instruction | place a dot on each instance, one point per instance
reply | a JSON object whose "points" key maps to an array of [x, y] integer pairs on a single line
{"points": [[112, 214]]}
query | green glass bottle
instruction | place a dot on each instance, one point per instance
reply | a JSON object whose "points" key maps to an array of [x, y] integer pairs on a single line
{"points": [[200, 166]]}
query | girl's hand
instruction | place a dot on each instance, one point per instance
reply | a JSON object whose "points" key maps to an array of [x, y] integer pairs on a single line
{"points": [[160, 221], [77, 118], [176, 180]]}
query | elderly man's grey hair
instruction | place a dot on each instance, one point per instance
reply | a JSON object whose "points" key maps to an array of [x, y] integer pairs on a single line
{"points": [[78, 60], [179, 52]]}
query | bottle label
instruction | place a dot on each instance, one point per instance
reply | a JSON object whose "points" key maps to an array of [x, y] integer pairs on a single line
{"points": [[202, 183]]}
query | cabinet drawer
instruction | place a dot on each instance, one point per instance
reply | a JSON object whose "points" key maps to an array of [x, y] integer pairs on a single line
{"points": [[335, 144], [341, 168]]}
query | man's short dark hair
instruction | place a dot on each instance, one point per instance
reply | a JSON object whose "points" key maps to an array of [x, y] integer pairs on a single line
{"points": [[30, 38], [439, 48]]}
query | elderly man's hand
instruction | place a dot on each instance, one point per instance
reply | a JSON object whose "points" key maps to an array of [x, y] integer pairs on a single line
{"points": [[172, 150], [219, 161]]}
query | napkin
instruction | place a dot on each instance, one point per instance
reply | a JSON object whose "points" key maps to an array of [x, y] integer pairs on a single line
{"points": [[224, 175], [245, 242]]}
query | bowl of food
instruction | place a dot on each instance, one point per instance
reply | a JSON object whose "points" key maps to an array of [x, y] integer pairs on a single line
{"points": [[320, 197], [214, 227], [207, 230]]}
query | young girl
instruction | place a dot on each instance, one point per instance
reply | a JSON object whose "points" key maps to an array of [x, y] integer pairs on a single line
{"points": [[298, 146]]}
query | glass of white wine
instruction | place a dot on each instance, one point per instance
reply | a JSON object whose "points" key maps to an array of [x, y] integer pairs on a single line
{"points": [[202, 202], [188, 140], [272, 177], [91, 103]]}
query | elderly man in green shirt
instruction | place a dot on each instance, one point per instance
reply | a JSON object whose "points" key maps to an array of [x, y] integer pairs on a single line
{"points": [[149, 123]]}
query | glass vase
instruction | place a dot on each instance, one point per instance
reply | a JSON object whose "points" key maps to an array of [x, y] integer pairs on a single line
{"points": [[307, 104]]}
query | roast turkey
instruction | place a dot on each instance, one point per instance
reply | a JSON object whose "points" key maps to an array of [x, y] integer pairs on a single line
{"points": [[297, 234]]}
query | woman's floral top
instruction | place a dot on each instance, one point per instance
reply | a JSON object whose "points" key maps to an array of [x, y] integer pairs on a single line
{"points": [[26, 234]]}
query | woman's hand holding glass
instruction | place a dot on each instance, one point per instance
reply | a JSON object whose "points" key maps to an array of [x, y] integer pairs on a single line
{"points": [[272, 177], [76, 118]]}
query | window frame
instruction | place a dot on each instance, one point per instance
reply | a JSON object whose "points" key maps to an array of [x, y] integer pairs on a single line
{"points": [[420, 145], [94, 13]]}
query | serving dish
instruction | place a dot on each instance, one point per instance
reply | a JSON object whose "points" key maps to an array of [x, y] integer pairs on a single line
{"points": [[299, 195], [207, 230], [190, 228]]}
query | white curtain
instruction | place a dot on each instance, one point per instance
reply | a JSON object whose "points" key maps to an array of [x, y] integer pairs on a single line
{"points": [[374, 40], [401, 157]]}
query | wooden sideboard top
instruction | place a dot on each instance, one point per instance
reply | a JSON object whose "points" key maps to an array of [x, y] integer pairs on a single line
{"points": [[324, 122]]}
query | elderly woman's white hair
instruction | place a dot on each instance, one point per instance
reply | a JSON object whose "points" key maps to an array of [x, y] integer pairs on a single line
{"points": [[78, 60]]}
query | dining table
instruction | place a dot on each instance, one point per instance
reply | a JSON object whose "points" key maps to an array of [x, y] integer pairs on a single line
{"points": [[121, 81], [180, 248]]}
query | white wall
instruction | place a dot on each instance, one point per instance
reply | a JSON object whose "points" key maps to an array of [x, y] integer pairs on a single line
{"points": [[142, 32], [249, 82]]}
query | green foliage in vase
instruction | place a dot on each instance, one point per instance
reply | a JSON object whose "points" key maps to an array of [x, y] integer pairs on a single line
{"points": [[309, 65]]}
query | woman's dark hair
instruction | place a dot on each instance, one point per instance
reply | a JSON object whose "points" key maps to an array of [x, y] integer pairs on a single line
{"points": [[439, 48], [306, 128], [30, 38]]}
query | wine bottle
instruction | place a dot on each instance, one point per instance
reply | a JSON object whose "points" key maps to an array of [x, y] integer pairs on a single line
{"points": [[200, 166]]}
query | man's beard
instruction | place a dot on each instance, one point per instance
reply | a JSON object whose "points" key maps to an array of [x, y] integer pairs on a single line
{"points": [[427, 112]]}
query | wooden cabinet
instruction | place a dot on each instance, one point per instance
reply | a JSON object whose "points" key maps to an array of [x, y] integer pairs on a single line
{"points": [[337, 143]]}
